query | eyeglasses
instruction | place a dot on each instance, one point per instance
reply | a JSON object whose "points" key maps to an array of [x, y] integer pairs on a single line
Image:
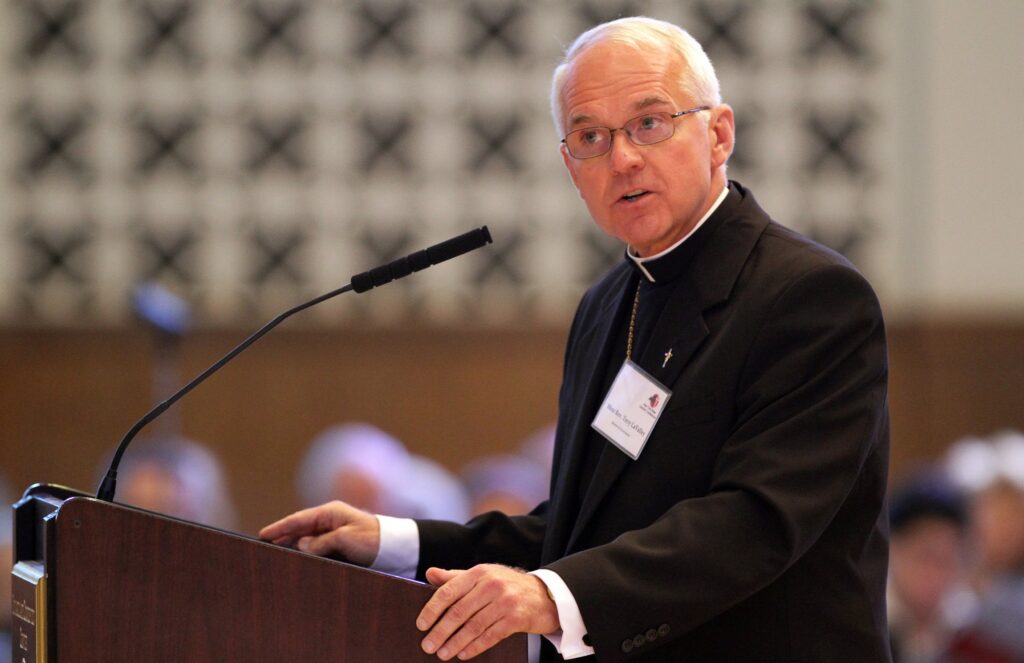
{"points": [[641, 130]]}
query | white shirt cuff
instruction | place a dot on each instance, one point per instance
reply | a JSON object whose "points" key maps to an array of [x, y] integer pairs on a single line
{"points": [[399, 552], [568, 640]]}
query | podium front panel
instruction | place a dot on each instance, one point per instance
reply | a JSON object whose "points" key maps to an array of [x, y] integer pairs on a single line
{"points": [[129, 585]]}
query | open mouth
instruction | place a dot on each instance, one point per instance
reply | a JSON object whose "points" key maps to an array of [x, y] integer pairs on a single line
{"points": [[634, 195]]}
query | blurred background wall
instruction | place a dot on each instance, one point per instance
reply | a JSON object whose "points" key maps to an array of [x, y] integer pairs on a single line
{"points": [[247, 155]]}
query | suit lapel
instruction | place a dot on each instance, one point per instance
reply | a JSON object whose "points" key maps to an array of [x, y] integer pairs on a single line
{"points": [[595, 345], [680, 329]]}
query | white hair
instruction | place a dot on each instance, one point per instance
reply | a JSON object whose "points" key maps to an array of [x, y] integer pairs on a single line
{"points": [[975, 464], [410, 486], [428, 490], [204, 497], [698, 80], [357, 446]]}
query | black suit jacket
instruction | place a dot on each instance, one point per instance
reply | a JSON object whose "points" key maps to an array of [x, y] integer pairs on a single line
{"points": [[752, 526]]}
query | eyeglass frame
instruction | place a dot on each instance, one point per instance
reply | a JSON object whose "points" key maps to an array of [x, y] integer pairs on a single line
{"points": [[611, 132]]}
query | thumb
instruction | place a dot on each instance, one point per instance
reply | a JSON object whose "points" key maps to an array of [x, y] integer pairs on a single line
{"points": [[438, 577]]}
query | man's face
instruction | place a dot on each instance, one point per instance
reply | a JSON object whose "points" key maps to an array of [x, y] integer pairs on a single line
{"points": [[998, 515], [647, 196], [926, 560]]}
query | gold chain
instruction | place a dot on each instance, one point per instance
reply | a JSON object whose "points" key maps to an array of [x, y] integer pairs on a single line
{"points": [[632, 323]]}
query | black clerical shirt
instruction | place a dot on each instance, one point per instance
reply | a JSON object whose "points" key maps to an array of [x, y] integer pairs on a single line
{"points": [[654, 294]]}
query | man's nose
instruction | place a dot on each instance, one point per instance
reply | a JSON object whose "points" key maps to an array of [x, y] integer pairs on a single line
{"points": [[624, 155]]}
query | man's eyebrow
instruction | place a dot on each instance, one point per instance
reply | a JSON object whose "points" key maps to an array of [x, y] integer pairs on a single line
{"points": [[647, 102], [650, 101], [577, 120]]}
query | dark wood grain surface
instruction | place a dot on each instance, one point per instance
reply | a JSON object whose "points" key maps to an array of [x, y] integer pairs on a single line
{"points": [[135, 586]]}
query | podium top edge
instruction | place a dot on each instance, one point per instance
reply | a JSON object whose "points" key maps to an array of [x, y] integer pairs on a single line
{"points": [[53, 489]]}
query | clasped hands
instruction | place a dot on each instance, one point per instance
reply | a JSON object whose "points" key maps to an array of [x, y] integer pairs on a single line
{"points": [[471, 611]]}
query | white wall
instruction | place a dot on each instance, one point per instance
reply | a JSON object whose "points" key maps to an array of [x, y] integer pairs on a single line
{"points": [[958, 225]]}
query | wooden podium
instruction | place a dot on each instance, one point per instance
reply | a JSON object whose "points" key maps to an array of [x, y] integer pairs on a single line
{"points": [[100, 581]]}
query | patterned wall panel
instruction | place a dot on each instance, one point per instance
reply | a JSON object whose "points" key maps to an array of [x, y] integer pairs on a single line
{"points": [[247, 154]]}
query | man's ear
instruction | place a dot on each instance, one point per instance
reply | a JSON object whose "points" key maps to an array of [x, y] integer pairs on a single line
{"points": [[722, 130], [570, 165]]}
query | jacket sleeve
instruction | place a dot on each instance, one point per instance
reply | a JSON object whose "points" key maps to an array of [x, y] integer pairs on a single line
{"points": [[809, 412], [491, 538]]}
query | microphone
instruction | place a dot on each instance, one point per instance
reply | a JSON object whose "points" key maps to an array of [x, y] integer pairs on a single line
{"points": [[396, 269], [414, 262]]}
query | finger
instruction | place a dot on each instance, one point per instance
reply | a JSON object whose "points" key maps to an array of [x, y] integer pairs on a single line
{"points": [[288, 541], [303, 544], [475, 628], [298, 523], [459, 612], [438, 577], [450, 591], [323, 544], [491, 636]]}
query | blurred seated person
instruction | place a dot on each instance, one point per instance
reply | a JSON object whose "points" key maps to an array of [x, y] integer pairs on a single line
{"points": [[992, 471], [362, 465], [508, 483], [178, 477], [926, 597], [6, 562], [431, 491]]}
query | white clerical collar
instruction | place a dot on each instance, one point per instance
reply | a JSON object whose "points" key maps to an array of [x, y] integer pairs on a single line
{"points": [[640, 261]]}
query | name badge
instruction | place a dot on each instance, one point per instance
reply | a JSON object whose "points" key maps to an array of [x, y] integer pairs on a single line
{"points": [[631, 409]]}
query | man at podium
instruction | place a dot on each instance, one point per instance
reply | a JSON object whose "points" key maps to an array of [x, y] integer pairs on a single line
{"points": [[722, 443]]}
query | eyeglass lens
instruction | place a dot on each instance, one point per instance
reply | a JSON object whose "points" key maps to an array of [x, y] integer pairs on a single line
{"points": [[642, 130]]}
